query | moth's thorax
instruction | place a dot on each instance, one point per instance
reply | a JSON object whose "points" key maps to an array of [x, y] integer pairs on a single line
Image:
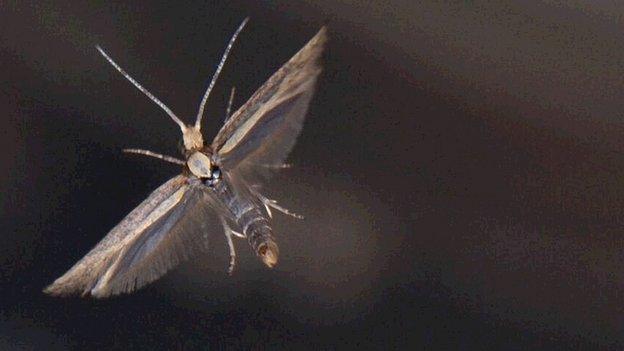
{"points": [[193, 139], [200, 165]]}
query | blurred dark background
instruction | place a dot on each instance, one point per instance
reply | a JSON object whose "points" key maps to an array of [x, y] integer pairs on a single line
{"points": [[461, 172]]}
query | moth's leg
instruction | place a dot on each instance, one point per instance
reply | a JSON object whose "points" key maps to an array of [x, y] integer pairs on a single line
{"points": [[228, 235], [273, 203], [274, 166], [280, 166], [153, 154], [269, 203], [228, 111]]}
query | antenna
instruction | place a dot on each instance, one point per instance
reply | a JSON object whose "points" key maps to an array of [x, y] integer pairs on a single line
{"points": [[229, 106], [143, 90], [202, 104]]}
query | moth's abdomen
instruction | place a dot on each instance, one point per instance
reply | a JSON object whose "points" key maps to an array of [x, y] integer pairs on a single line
{"points": [[260, 235], [251, 219]]}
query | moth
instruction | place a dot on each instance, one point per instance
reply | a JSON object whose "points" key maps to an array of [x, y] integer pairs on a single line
{"points": [[217, 178]]}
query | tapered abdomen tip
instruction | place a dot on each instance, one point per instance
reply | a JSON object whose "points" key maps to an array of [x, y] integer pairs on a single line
{"points": [[269, 253]]}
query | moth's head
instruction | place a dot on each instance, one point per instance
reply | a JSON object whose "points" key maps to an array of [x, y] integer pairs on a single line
{"points": [[192, 138], [200, 165]]}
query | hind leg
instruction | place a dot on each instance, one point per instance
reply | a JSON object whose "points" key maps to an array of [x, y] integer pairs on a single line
{"points": [[229, 233]]}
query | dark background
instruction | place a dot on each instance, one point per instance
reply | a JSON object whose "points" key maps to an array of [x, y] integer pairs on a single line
{"points": [[461, 172]]}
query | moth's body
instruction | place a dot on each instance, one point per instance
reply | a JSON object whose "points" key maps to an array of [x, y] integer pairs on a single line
{"points": [[241, 206], [220, 179], [250, 218]]}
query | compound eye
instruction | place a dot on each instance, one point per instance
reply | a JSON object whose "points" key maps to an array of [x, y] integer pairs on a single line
{"points": [[216, 173]]}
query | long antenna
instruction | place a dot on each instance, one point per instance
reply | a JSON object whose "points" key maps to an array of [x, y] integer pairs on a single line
{"points": [[202, 104], [143, 90]]}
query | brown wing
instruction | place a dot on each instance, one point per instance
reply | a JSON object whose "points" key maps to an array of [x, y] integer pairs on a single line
{"points": [[264, 130], [166, 228]]}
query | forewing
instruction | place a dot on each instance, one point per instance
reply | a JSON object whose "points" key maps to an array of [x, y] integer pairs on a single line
{"points": [[166, 228], [262, 132]]}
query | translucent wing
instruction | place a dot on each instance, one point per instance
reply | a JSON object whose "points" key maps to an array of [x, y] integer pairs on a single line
{"points": [[163, 230], [264, 130]]}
